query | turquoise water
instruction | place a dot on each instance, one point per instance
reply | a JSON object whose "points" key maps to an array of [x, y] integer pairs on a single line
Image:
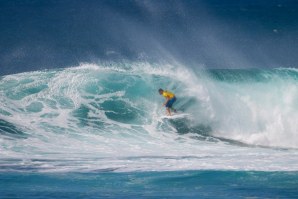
{"points": [[183, 184], [97, 131]]}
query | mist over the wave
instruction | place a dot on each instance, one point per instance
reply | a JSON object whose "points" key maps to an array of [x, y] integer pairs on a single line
{"points": [[216, 34]]}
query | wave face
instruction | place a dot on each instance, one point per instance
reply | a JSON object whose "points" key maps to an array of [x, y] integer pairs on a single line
{"points": [[108, 118]]}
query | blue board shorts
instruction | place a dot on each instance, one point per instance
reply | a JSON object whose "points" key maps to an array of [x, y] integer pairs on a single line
{"points": [[170, 103]]}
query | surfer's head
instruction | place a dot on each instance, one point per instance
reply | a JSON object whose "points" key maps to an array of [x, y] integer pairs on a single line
{"points": [[160, 91]]}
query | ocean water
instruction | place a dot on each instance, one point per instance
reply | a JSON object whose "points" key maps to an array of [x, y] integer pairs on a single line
{"points": [[177, 184], [81, 117], [102, 126]]}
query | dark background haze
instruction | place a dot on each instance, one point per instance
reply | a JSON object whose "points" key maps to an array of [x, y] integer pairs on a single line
{"points": [[37, 35]]}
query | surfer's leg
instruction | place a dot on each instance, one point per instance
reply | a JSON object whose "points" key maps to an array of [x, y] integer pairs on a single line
{"points": [[169, 106], [169, 111], [172, 101]]}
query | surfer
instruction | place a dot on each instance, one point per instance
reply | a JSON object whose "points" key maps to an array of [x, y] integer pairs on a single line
{"points": [[170, 99]]}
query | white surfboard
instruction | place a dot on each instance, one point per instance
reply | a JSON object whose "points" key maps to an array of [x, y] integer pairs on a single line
{"points": [[175, 116]]}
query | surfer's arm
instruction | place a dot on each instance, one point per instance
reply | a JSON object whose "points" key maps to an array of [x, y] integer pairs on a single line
{"points": [[166, 101]]}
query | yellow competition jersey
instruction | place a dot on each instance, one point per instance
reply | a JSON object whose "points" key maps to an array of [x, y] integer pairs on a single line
{"points": [[168, 94]]}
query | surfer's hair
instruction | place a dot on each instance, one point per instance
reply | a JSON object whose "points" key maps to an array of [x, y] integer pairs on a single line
{"points": [[160, 90]]}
